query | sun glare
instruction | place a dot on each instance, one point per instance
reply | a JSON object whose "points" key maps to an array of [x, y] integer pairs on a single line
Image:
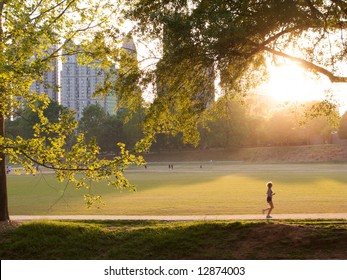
{"points": [[290, 82]]}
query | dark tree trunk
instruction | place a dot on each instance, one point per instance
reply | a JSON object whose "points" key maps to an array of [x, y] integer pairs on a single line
{"points": [[4, 215]]}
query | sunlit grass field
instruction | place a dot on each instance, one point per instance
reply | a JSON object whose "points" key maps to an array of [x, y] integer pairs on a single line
{"points": [[195, 188]]}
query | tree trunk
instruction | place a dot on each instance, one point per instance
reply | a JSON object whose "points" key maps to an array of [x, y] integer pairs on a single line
{"points": [[4, 215]]}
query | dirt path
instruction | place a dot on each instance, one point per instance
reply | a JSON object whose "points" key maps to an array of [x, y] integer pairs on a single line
{"points": [[186, 218]]}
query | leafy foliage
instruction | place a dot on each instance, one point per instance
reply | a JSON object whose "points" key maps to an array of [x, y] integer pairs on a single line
{"points": [[32, 35], [199, 40], [233, 40]]}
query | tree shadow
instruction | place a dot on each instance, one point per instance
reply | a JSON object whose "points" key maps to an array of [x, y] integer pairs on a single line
{"points": [[135, 240]]}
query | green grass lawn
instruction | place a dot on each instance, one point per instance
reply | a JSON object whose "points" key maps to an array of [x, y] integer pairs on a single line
{"points": [[216, 188], [155, 240]]}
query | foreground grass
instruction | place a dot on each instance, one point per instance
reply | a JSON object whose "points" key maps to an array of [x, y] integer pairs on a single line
{"points": [[160, 240]]}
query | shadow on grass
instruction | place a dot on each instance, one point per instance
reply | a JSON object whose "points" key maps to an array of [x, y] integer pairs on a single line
{"points": [[131, 240]]}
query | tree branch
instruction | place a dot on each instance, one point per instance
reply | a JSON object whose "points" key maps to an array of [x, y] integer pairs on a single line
{"points": [[49, 166], [37, 6], [51, 8], [61, 13], [271, 39], [309, 65], [342, 5], [2, 4], [315, 12]]}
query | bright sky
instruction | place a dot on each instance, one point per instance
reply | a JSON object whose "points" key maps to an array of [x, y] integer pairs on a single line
{"points": [[290, 82]]}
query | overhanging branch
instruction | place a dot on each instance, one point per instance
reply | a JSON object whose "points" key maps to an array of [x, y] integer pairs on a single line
{"points": [[309, 65], [51, 166], [48, 166]]}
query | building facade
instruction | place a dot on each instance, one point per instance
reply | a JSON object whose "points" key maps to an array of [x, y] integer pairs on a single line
{"points": [[78, 85], [50, 82], [74, 85]]}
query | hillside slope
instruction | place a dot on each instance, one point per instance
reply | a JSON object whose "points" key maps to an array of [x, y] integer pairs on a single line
{"points": [[314, 153]]}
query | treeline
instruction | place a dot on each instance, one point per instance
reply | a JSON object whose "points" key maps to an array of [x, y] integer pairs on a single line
{"points": [[260, 121], [95, 123], [228, 124]]}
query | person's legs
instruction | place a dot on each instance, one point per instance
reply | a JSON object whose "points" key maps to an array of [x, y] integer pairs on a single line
{"points": [[270, 209], [268, 200]]}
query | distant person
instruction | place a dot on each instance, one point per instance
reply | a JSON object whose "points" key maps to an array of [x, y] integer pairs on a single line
{"points": [[269, 195], [8, 169]]}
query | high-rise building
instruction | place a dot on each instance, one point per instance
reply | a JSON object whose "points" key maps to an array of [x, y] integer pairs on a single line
{"points": [[49, 83], [79, 83], [73, 85]]}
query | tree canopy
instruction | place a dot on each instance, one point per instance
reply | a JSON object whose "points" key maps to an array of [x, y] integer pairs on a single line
{"points": [[32, 35], [235, 34], [234, 41], [200, 41]]}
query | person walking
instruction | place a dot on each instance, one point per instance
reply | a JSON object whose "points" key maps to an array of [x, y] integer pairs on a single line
{"points": [[269, 195]]}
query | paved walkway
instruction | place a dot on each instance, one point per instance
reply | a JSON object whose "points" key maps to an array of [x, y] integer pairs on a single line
{"points": [[186, 218]]}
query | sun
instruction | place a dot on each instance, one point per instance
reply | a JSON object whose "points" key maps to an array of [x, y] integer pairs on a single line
{"points": [[290, 82]]}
